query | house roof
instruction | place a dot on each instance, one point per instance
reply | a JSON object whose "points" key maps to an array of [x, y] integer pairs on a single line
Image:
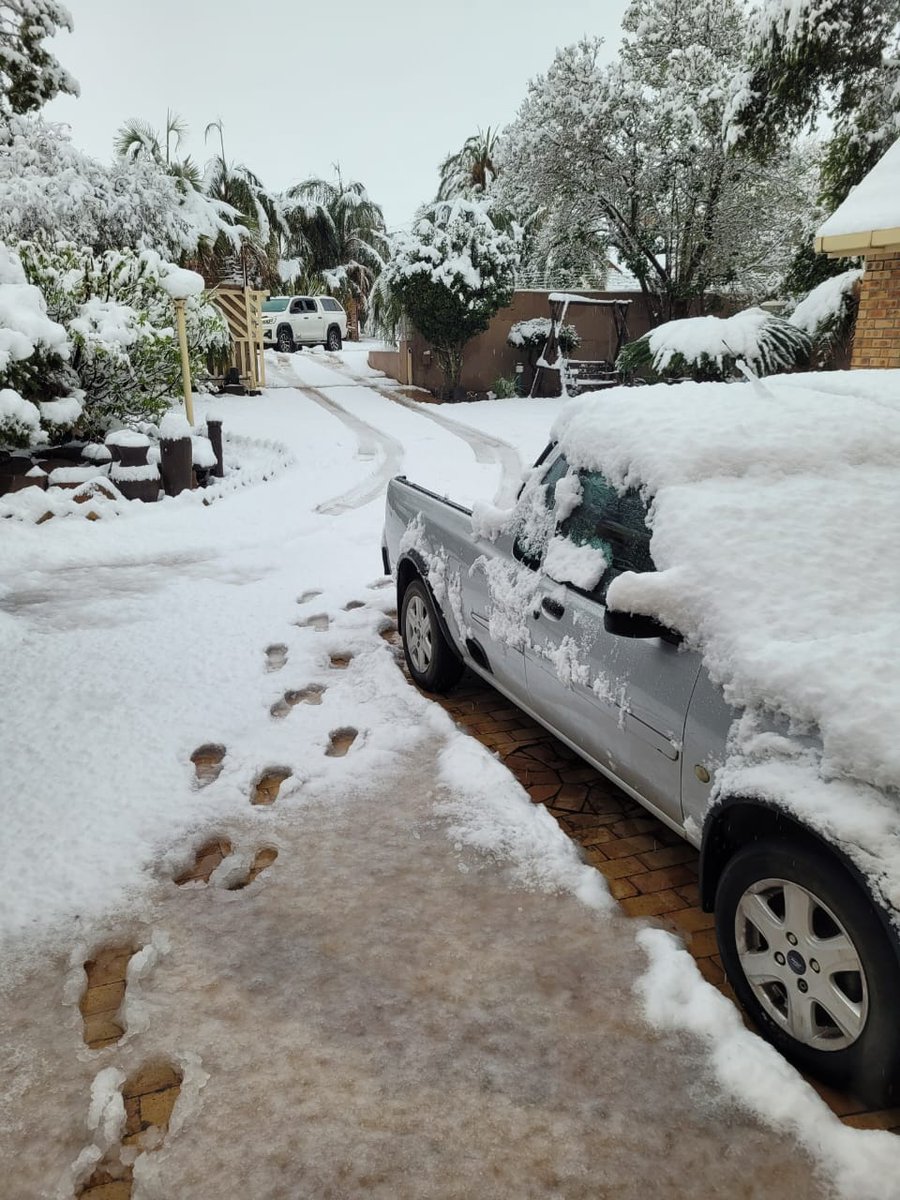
{"points": [[869, 219]]}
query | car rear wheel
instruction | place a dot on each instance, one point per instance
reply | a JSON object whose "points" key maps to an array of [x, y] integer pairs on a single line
{"points": [[285, 340], [334, 339], [429, 656], [809, 959]]}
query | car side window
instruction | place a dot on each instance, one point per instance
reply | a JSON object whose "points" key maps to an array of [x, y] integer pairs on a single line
{"points": [[296, 306], [614, 522], [534, 533], [310, 305]]}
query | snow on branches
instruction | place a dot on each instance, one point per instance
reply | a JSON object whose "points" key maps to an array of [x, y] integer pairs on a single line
{"points": [[451, 273], [51, 190], [29, 74]]}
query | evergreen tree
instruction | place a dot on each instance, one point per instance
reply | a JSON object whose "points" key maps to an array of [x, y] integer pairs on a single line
{"points": [[811, 58]]}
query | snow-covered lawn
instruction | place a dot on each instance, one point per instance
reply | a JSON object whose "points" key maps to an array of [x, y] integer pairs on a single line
{"points": [[427, 993]]}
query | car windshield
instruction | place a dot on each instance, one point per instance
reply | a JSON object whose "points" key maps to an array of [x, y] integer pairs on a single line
{"points": [[275, 304]]}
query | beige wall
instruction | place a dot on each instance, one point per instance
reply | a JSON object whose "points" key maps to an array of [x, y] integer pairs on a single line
{"points": [[487, 356], [876, 341]]}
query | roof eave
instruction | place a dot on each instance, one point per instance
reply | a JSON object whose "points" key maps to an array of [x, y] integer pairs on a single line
{"points": [[851, 245]]}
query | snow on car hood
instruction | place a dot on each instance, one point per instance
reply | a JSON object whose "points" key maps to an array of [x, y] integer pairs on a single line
{"points": [[775, 510]]}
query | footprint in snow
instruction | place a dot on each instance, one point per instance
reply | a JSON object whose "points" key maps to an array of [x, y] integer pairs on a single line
{"points": [[207, 760], [307, 596], [103, 995], [149, 1097], [340, 741], [319, 622], [276, 656], [268, 785], [352, 604], [311, 694], [234, 875], [340, 662], [383, 582]]}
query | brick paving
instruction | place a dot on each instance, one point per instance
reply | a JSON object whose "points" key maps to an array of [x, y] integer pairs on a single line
{"points": [[650, 870]]}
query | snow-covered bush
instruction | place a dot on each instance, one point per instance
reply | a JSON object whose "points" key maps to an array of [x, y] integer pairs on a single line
{"points": [[450, 274], [533, 334], [123, 360], [31, 344], [709, 348], [828, 312]]}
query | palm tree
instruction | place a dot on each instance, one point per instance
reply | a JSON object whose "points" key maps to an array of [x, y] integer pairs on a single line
{"points": [[470, 171], [339, 234], [139, 137]]}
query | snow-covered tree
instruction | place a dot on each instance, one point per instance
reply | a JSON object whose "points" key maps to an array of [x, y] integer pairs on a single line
{"points": [[49, 190], [810, 58], [450, 274], [711, 348], [29, 73], [632, 153]]}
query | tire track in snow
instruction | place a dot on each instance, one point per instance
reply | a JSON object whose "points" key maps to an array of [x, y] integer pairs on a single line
{"points": [[486, 448], [371, 443]]}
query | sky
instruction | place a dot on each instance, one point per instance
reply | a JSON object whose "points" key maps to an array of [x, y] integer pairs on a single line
{"points": [[386, 89]]}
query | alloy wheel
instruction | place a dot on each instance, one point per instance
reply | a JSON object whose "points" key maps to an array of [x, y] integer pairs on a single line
{"points": [[802, 965], [417, 634]]}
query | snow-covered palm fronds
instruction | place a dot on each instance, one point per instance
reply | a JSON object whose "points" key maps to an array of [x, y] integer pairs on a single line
{"points": [[472, 169], [828, 312], [711, 348]]}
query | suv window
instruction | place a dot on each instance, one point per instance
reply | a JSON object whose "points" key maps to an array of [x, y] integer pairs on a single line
{"points": [[296, 306], [613, 522], [309, 306], [330, 305]]}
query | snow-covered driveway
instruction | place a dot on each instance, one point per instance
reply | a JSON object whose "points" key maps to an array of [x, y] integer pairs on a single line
{"points": [[386, 1010]]}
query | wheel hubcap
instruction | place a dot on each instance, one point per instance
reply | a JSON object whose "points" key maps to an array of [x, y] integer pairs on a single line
{"points": [[801, 964], [417, 634]]}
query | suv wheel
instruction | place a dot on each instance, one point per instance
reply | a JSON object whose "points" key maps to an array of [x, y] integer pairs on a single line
{"points": [[809, 959], [285, 340], [334, 339], [429, 656]]}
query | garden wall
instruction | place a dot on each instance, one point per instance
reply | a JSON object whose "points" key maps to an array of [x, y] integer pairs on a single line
{"points": [[487, 356]]}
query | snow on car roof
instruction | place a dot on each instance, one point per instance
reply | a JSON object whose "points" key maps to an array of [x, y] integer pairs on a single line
{"points": [[774, 521]]}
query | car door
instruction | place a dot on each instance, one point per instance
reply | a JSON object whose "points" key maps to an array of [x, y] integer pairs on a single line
{"points": [[622, 700], [314, 321], [295, 315]]}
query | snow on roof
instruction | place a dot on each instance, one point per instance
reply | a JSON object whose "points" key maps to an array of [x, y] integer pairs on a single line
{"points": [[774, 534], [870, 212]]}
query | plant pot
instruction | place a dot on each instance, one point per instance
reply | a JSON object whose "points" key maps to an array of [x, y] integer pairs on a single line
{"points": [[175, 464]]}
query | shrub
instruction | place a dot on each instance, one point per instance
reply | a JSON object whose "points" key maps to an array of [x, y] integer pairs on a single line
{"points": [[710, 348]]}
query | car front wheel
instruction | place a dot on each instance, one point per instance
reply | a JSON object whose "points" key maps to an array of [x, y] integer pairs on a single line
{"points": [[429, 656], [809, 959], [285, 340]]}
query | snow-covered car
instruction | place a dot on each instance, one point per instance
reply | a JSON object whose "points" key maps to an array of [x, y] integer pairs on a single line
{"points": [[292, 321], [697, 590]]}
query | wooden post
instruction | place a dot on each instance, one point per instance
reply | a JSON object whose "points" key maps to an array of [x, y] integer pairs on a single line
{"points": [[185, 362]]}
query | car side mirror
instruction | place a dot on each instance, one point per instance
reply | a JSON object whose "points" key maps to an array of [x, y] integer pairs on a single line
{"points": [[634, 625]]}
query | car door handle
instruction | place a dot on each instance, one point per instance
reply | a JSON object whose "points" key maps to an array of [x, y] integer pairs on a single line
{"points": [[553, 608]]}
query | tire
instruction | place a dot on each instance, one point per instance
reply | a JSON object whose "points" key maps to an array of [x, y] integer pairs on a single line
{"points": [[839, 1026], [334, 339], [285, 340], [432, 662]]}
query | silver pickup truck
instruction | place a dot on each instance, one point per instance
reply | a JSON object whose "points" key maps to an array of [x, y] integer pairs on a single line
{"points": [[810, 952]]}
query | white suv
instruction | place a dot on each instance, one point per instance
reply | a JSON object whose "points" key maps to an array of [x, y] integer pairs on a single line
{"points": [[292, 321]]}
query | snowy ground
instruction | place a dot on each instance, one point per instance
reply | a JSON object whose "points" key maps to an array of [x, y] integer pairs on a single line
{"points": [[387, 1010]]}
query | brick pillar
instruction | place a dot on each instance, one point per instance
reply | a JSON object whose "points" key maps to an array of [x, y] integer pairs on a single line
{"points": [[876, 341]]}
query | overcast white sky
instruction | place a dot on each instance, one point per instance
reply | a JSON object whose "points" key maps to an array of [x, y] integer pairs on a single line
{"points": [[385, 89]]}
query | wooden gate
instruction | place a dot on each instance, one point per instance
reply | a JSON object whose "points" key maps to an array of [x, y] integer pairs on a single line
{"points": [[242, 309]]}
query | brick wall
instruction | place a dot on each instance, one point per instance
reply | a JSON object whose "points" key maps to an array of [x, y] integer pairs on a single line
{"points": [[876, 342]]}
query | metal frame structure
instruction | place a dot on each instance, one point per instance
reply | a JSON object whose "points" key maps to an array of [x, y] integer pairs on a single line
{"points": [[597, 373]]}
